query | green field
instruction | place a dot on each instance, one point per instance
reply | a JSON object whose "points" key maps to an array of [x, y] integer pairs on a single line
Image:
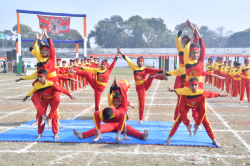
{"points": [[229, 120]]}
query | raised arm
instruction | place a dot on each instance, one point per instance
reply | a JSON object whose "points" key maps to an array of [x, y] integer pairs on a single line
{"points": [[113, 64], [178, 38], [186, 51]]}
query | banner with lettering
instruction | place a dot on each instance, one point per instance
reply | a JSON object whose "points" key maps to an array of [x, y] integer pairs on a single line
{"points": [[54, 24]]}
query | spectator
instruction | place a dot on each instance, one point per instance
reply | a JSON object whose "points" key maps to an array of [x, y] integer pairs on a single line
{"points": [[4, 65]]}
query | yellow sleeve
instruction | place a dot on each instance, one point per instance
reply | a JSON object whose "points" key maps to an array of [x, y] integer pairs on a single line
{"points": [[236, 72], [176, 72], [179, 91], [36, 52], [214, 66], [30, 77], [91, 70], [186, 53], [31, 91], [130, 63], [178, 42], [110, 99]]}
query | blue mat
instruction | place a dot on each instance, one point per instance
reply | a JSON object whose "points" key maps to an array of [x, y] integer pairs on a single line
{"points": [[158, 134]]}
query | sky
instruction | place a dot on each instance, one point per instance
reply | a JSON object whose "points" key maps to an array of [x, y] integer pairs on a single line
{"points": [[232, 14]]}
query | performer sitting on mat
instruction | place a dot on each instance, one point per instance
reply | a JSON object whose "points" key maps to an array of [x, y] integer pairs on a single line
{"points": [[114, 121], [193, 97]]}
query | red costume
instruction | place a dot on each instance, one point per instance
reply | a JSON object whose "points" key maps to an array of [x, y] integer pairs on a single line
{"points": [[142, 84], [194, 68], [196, 101], [116, 123], [100, 83]]}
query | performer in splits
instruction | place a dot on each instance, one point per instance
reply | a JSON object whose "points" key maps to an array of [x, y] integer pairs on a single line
{"points": [[194, 97], [114, 121], [142, 84]]}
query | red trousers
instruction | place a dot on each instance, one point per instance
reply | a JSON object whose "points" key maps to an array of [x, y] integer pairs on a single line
{"points": [[80, 79], [39, 101], [98, 89], [236, 87], [245, 83], [72, 83], [201, 118], [83, 82], [45, 103], [66, 82], [76, 83], [215, 78], [232, 85], [223, 81], [112, 127], [140, 89], [219, 81], [179, 83], [228, 82], [210, 80]]}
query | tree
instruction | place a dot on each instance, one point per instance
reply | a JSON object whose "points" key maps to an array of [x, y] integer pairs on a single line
{"points": [[239, 39], [110, 33]]}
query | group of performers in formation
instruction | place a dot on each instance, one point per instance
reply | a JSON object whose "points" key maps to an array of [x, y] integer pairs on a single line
{"points": [[50, 79]]}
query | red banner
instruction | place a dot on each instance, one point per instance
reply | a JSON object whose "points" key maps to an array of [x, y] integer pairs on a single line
{"points": [[54, 24]]}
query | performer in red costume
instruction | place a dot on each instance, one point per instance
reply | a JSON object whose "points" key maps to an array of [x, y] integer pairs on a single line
{"points": [[66, 73], [193, 97], [142, 84], [46, 90], [236, 80], [102, 79], [114, 121], [228, 77]]}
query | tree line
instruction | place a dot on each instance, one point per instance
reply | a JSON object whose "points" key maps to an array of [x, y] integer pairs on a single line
{"points": [[137, 32]]}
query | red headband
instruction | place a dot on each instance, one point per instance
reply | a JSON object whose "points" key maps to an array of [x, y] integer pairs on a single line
{"points": [[194, 48], [105, 63], [140, 59], [40, 74], [45, 48], [58, 60], [184, 39], [116, 90], [117, 99], [193, 82]]}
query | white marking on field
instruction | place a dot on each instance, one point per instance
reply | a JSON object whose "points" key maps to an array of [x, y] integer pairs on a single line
{"points": [[130, 153], [93, 157], [225, 123], [12, 113], [57, 161], [27, 147]]}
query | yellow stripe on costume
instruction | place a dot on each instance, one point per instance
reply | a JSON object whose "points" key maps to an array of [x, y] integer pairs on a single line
{"points": [[205, 111], [52, 74], [139, 82], [124, 120], [179, 115], [101, 83]]}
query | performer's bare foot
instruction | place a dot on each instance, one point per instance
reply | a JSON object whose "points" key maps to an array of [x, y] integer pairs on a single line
{"points": [[140, 121], [97, 138], [233, 98], [216, 143], [189, 127], [168, 140], [35, 123], [39, 135], [59, 124], [79, 135], [44, 117], [240, 101], [56, 136], [145, 135], [196, 127], [49, 122]]}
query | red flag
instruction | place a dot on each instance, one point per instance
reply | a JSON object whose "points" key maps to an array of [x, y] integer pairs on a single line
{"points": [[54, 24]]}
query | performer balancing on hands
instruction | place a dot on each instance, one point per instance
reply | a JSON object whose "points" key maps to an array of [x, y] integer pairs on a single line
{"points": [[193, 97], [114, 121], [46, 90], [142, 84]]}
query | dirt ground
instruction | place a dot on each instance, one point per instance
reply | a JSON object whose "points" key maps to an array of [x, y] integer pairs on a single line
{"points": [[228, 118]]}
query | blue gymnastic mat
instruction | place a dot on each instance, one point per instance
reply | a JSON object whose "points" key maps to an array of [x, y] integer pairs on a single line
{"points": [[158, 134]]}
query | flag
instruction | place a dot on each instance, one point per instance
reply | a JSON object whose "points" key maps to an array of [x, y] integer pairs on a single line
{"points": [[54, 24]]}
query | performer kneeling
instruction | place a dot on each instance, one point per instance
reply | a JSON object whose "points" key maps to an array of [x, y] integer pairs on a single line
{"points": [[113, 121], [46, 90], [193, 97]]}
